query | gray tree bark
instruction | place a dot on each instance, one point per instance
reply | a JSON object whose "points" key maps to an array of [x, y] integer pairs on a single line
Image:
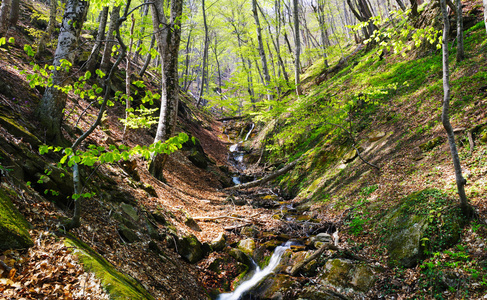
{"points": [[297, 48], [107, 51], [460, 181], [263, 58], [168, 39], [148, 58], [205, 55], [13, 17], [485, 14], [4, 12], [93, 59], [53, 102]]}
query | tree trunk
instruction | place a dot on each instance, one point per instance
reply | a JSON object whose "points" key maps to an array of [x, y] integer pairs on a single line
{"points": [[142, 30], [93, 59], [401, 5], [297, 50], [168, 37], [128, 72], [148, 58], [107, 51], [50, 28], [460, 48], [14, 13], [4, 12], [485, 14], [263, 58], [50, 110], [445, 114], [205, 55]]}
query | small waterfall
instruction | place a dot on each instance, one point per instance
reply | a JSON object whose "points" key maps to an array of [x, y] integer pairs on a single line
{"points": [[258, 276], [250, 131]]}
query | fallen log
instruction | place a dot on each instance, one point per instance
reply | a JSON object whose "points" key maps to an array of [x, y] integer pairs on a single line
{"points": [[265, 178]]}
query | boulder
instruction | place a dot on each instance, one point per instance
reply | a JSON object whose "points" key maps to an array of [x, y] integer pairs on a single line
{"points": [[190, 248], [430, 144], [347, 274], [423, 222], [127, 234], [191, 223], [218, 243], [241, 257], [195, 151], [130, 211], [247, 246], [14, 229], [376, 135]]}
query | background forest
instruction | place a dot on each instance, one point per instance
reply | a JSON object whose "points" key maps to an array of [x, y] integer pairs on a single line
{"points": [[178, 149]]}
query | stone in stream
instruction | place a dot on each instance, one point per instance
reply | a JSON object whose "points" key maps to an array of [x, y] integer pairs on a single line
{"points": [[218, 243], [247, 246], [190, 248]]}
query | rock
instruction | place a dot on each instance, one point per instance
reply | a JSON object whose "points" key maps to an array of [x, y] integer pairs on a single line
{"points": [[241, 257], [344, 273], [191, 223], [151, 230], [247, 246], [196, 153], [376, 135], [149, 189], [14, 229], [314, 292], [218, 243], [350, 156], [127, 234], [13, 127], [236, 200], [190, 248], [422, 223], [429, 145], [321, 238], [273, 287], [159, 217], [117, 284], [125, 221], [130, 211], [249, 231]]}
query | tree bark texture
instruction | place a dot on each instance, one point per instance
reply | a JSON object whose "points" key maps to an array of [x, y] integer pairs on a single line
{"points": [[263, 58], [93, 59], [4, 12], [13, 17], [168, 39], [297, 48], [460, 181], [107, 51], [205, 55], [485, 14], [148, 58], [53, 102]]}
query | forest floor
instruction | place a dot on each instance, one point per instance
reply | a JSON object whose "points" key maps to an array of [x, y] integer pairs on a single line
{"points": [[49, 270]]}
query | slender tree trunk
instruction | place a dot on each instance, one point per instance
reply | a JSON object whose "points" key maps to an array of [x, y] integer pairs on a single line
{"points": [[168, 39], [50, 28], [107, 51], [13, 18], [148, 58], [4, 12], [128, 73], [205, 55], [401, 5], [93, 59], [485, 14], [263, 58], [142, 31], [186, 64], [53, 102], [460, 48], [445, 114], [297, 54]]}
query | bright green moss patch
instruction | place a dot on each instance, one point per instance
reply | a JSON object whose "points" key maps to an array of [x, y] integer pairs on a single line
{"points": [[117, 284], [14, 233]]}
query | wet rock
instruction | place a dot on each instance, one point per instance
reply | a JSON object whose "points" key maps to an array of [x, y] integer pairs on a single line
{"points": [[247, 246], [241, 257], [14, 229], [318, 240], [314, 292], [218, 243], [190, 248], [273, 287], [127, 234]]}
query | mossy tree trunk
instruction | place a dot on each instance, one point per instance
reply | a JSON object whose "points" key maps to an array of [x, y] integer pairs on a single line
{"points": [[51, 108], [460, 181], [168, 37]]}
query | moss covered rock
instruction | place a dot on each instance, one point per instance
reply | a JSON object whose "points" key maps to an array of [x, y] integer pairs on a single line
{"points": [[422, 223], [190, 248], [14, 233], [429, 145], [117, 284], [347, 274]]}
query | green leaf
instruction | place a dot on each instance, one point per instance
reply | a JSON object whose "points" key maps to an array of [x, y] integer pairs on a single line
{"points": [[11, 40], [43, 149]]}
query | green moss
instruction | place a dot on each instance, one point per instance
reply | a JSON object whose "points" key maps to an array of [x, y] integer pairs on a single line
{"points": [[117, 284], [14, 233]]}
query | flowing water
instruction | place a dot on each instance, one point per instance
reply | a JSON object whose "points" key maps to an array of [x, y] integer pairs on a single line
{"points": [[258, 275]]}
